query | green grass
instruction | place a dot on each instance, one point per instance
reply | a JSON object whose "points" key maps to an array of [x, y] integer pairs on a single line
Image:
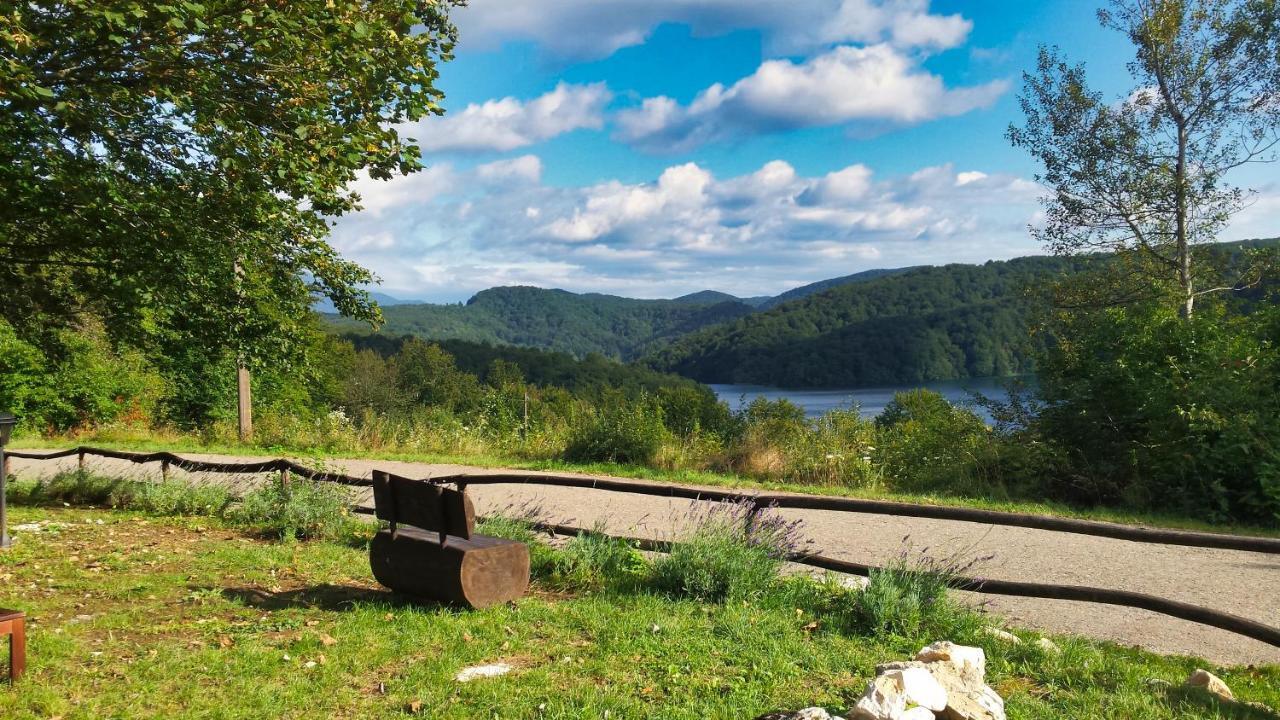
{"points": [[141, 616], [693, 477]]}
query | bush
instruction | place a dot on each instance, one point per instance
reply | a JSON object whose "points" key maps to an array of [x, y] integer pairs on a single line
{"points": [[619, 430], [909, 598], [1162, 412], [926, 444], [301, 509], [594, 561], [725, 556], [836, 450]]}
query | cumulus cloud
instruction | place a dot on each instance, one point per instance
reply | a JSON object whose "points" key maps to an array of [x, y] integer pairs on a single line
{"points": [[509, 123], [687, 230], [586, 29], [876, 85]]}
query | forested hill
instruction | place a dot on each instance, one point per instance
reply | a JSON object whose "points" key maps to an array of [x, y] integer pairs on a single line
{"points": [[543, 368], [931, 323], [814, 288], [557, 320]]}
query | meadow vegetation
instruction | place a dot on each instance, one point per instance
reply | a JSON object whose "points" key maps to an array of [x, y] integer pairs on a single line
{"points": [[1135, 409], [715, 628]]}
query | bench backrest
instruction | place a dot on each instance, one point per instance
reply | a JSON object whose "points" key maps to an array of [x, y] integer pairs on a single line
{"points": [[422, 504]]}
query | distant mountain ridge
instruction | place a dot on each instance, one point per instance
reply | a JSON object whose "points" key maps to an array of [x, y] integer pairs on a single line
{"points": [[579, 324], [915, 325]]}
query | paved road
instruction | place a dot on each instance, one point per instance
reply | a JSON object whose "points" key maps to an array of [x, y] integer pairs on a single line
{"points": [[1244, 583]]}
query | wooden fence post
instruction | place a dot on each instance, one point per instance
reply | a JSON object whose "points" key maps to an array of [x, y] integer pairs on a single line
{"points": [[164, 471], [284, 480], [80, 461]]}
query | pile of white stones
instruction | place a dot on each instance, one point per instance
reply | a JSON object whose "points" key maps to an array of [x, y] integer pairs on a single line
{"points": [[945, 680]]}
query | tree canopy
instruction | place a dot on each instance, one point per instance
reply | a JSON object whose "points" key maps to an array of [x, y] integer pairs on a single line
{"points": [[173, 168], [1145, 174]]}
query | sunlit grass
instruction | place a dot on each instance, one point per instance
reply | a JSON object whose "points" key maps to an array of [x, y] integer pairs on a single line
{"points": [[140, 616]]}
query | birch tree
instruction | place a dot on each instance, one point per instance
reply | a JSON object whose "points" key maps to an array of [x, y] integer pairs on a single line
{"points": [[1146, 175]]}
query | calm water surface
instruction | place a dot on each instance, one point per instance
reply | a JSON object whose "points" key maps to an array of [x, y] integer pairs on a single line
{"points": [[870, 401]]}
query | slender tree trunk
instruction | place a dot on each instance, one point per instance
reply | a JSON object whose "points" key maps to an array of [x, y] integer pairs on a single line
{"points": [[1184, 249]]}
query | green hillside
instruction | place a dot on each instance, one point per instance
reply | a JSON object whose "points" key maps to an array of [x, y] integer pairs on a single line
{"points": [[543, 368], [823, 285], [923, 324], [555, 320]]}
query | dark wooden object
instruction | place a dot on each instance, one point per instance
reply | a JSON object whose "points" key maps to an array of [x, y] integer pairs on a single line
{"points": [[439, 556], [14, 624]]}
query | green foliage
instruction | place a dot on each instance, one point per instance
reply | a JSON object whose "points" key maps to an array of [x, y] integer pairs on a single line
{"points": [[909, 598], [162, 498], [726, 554], [934, 323], [1153, 410], [87, 383], [1144, 173], [580, 325], [171, 168], [622, 431], [926, 444], [593, 561], [299, 510]]}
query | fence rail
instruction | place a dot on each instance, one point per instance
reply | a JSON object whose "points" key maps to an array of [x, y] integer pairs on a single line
{"points": [[1204, 616]]}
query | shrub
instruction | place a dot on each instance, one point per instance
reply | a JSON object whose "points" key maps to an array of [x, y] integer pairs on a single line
{"points": [[909, 598], [1164, 412], [594, 561], [836, 450], [177, 498], [726, 555], [927, 444], [301, 509], [619, 431]]}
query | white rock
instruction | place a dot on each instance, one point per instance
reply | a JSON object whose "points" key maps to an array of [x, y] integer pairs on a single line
{"points": [[917, 713], [968, 697], [883, 700], [956, 655], [811, 713], [1210, 683], [1002, 635], [1048, 646], [919, 687], [476, 672]]}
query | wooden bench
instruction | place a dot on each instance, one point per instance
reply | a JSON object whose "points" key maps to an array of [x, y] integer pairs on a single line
{"points": [[439, 556], [14, 624]]}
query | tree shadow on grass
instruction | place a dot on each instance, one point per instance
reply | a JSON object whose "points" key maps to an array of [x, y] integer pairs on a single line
{"points": [[1181, 696], [330, 598]]}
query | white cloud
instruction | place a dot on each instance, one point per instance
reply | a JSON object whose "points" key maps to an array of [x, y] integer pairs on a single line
{"points": [[878, 85], [759, 232], [526, 168], [583, 29], [420, 187], [509, 123]]}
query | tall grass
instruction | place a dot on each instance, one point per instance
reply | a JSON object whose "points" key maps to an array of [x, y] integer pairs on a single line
{"points": [[302, 510], [729, 552]]}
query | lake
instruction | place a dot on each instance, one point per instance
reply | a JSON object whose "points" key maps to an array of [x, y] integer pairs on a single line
{"points": [[870, 401]]}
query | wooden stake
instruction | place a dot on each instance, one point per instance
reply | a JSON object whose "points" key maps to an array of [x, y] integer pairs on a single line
{"points": [[245, 394]]}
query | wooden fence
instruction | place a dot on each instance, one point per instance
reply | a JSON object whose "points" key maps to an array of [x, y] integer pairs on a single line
{"points": [[760, 501]]}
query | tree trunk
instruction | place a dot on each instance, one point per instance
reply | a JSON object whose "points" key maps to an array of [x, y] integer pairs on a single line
{"points": [[1184, 249]]}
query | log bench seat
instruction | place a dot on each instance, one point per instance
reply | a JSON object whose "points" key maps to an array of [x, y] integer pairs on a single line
{"points": [[430, 549]]}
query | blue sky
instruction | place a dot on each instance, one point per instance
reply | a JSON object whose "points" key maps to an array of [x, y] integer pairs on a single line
{"points": [[651, 148]]}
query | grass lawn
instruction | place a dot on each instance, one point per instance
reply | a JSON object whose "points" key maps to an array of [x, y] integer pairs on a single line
{"points": [[333, 461], [142, 616]]}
